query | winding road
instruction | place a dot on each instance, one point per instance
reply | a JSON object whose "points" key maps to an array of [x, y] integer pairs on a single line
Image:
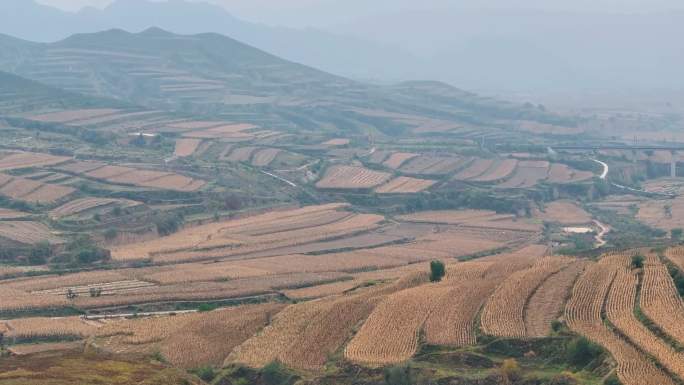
{"points": [[604, 174]]}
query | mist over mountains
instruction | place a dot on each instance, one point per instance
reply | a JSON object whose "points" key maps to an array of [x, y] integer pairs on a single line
{"points": [[480, 49], [343, 55]]}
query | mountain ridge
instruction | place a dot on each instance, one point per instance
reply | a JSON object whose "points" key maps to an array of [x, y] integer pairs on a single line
{"points": [[346, 56]]}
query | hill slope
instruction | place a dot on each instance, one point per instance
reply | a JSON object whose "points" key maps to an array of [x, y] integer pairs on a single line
{"points": [[335, 53], [211, 74], [18, 95]]}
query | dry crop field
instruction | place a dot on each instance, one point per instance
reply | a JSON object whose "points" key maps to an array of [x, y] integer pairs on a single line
{"points": [[28, 190], [620, 204], [474, 219], [231, 132], [527, 174], [432, 165], [609, 288], [6, 214], [241, 154], [79, 206], [498, 171], [265, 156], [475, 169], [186, 147], [134, 176], [664, 214], [270, 231], [352, 177], [398, 158], [565, 213], [19, 160], [72, 115], [405, 185], [561, 173], [503, 316], [336, 142], [516, 294], [26, 233]]}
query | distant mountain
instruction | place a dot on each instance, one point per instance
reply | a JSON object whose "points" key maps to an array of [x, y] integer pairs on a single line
{"points": [[214, 75], [517, 49], [347, 56], [157, 67]]}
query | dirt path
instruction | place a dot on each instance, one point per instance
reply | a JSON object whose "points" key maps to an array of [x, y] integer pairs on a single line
{"points": [[600, 241], [279, 178]]}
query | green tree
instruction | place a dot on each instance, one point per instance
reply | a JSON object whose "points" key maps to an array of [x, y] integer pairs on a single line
{"points": [[398, 375], [580, 351], [206, 373], [206, 307], [39, 253], [437, 271], [638, 261], [276, 374], [677, 233], [110, 234]]}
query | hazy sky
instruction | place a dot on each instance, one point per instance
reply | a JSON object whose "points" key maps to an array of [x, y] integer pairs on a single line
{"points": [[301, 13]]}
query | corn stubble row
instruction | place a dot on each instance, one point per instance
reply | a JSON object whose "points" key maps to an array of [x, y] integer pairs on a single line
{"points": [[305, 334], [42, 327], [583, 315], [446, 311], [193, 237], [522, 294], [660, 301], [503, 315], [620, 312], [188, 340], [548, 301]]}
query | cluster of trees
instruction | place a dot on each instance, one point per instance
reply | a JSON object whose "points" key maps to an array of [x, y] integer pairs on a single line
{"points": [[677, 277], [467, 199], [80, 251], [168, 224]]}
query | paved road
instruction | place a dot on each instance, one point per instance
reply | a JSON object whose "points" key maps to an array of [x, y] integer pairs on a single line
{"points": [[605, 168]]}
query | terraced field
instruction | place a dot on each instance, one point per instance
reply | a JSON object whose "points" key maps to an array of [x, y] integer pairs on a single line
{"points": [[659, 299], [134, 176], [28, 190], [504, 313], [19, 160], [431, 165], [565, 213], [583, 315], [350, 177], [404, 185], [527, 174], [500, 170], [79, 206], [188, 340], [27, 233], [548, 301], [186, 147], [68, 116], [398, 158]]}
